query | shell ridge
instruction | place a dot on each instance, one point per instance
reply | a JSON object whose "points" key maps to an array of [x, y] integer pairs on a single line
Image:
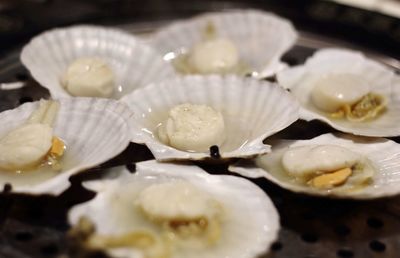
{"points": [[55, 49], [74, 124], [383, 155]]}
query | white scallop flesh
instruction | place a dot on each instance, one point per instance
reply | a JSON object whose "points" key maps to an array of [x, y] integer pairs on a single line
{"points": [[161, 195], [307, 160], [193, 128], [177, 200], [333, 91], [89, 77], [214, 56], [25, 147]]}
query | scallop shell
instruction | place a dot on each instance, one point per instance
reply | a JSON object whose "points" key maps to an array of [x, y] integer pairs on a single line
{"points": [[241, 200], [135, 64], [384, 155], [261, 37], [300, 81], [94, 130], [252, 111]]}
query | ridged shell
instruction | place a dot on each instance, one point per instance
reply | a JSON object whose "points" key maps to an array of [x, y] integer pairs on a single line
{"points": [[240, 198], [252, 111], [134, 64], [384, 155], [261, 37], [94, 131], [300, 81]]}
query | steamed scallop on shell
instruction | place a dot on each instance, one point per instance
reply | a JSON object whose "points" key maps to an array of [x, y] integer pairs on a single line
{"points": [[175, 211], [189, 117], [92, 61], [341, 166], [43, 143], [235, 42], [348, 91]]}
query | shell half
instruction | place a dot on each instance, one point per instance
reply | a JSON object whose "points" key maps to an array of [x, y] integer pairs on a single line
{"points": [[260, 37], [93, 130], [383, 154], [301, 80], [239, 198], [252, 110], [134, 64]]}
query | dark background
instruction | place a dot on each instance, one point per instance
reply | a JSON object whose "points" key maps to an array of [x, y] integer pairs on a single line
{"points": [[36, 227], [21, 19]]}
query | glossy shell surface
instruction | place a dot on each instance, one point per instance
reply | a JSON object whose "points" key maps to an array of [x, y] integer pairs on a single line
{"points": [[383, 154], [300, 80], [240, 199], [134, 63], [252, 110], [260, 37], [93, 130]]}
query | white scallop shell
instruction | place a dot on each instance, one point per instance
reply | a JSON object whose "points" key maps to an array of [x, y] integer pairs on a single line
{"points": [[384, 155], [94, 130], [300, 81], [252, 111], [261, 38], [135, 64], [111, 210]]}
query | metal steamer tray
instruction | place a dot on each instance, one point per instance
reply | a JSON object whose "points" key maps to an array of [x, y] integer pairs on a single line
{"points": [[35, 227]]}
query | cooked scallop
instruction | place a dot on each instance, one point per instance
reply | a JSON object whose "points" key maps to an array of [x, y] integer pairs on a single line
{"points": [[347, 90], [340, 166], [29, 145], [89, 77], [232, 42], [193, 128], [176, 211], [92, 61], [43, 143], [204, 117]]}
